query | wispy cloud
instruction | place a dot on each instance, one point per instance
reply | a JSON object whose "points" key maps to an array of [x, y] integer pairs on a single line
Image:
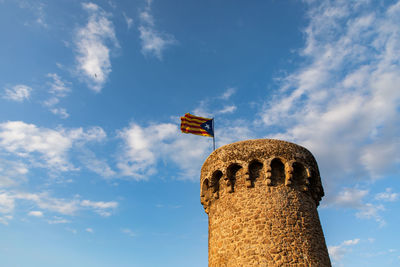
{"points": [[153, 41], [211, 106], [62, 112], [228, 93], [5, 219], [102, 208], [96, 165], [58, 220], [227, 109], [58, 89], [388, 195], [93, 43], [36, 9], [12, 172], [44, 147], [128, 232], [72, 230], [369, 211], [343, 104], [18, 93], [353, 198], [62, 206], [145, 147], [35, 213], [6, 203], [128, 20], [337, 252]]}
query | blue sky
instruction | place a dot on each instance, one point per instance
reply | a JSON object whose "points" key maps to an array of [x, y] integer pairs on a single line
{"points": [[94, 170]]}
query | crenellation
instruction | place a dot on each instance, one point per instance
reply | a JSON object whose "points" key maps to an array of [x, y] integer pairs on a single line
{"points": [[261, 198]]}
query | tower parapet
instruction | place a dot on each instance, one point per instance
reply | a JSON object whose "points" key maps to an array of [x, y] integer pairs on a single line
{"points": [[261, 197]]}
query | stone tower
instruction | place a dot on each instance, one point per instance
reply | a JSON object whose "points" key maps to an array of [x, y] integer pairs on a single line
{"points": [[261, 197]]}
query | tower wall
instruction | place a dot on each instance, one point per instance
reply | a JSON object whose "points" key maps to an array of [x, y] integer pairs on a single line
{"points": [[261, 197]]}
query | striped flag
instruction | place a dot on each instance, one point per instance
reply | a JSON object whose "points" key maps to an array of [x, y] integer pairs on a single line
{"points": [[197, 125]]}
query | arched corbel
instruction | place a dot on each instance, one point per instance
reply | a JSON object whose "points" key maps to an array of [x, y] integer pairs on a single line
{"points": [[247, 177], [307, 183], [205, 195], [268, 171], [289, 172]]}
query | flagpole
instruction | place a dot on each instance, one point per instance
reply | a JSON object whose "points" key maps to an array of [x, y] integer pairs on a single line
{"points": [[213, 134]]}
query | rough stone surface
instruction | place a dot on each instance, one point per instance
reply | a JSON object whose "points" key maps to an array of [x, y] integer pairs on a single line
{"points": [[261, 197]]}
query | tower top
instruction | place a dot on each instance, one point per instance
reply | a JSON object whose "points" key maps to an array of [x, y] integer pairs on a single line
{"points": [[261, 197], [300, 166]]}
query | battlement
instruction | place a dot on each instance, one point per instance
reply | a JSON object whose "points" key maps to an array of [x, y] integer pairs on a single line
{"points": [[269, 162]]}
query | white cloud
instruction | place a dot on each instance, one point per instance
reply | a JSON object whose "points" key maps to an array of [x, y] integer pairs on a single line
{"points": [[4, 219], [337, 252], [45, 147], [58, 220], [128, 20], [7, 203], [72, 230], [62, 112], [212, 105], [351, 242], [58, 87], [112, 4], [233, 131], [93, 52], [227, 109], [99, 166], [228, 93], [99, 204], [128, 232], [44, 201], [18, 93], [352, 198], [89, 230], [144, 147], [387, 196], [371, 211], [36, 9], [343, 104], [12, 172], [153, 41], [35, 213], [102, 208]]}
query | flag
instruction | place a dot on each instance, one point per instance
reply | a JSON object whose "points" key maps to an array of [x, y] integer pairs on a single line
{"points": [[197, 125]]}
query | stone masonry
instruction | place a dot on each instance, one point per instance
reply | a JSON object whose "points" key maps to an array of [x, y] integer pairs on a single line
{"points": [[261, 197]]}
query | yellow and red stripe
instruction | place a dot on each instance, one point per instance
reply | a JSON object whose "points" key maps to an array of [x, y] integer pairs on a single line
{"points": [[192, 124]]}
